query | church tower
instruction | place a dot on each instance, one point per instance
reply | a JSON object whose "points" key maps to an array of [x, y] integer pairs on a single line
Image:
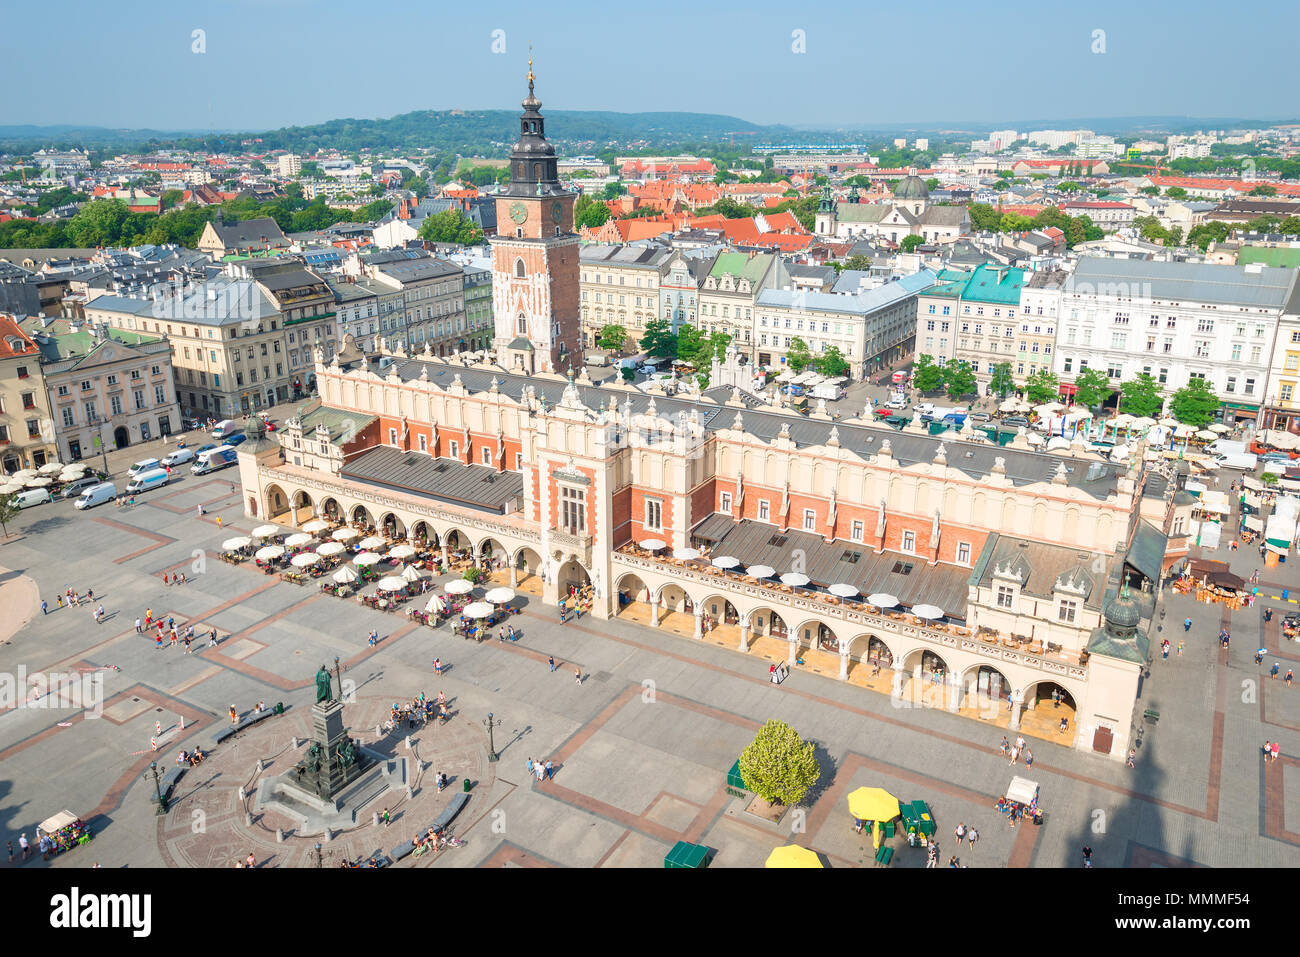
{"points": [[535, 270]]}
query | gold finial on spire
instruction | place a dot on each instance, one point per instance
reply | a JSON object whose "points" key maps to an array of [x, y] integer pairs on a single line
{"points": [[530, 68]]}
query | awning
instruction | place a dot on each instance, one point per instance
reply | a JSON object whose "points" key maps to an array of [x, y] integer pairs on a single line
{"points": [[1253, 523], [1146, 553], [1252, 500], [1255, 485], [1022, 790], [56, 821]]}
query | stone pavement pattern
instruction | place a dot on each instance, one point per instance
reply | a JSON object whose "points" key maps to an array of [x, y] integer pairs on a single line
{"points": [[640, 748]]}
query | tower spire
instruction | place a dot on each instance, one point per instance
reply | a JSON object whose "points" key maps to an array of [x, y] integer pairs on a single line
{"points": [[531, 77]]}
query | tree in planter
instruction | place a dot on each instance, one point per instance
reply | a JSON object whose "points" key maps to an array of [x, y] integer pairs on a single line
{"points": [[8, 512], [1092, 387], [927, 375], [473, 574], [797, 356], [1194, 403], [958, 379], [1042, 386], [1142, 396], [659, 339], [612, 337], [778, 766], [1003, 382]]}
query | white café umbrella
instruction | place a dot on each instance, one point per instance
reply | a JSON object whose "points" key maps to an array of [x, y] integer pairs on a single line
{"points": [[316, 525], [69, 475], [410, 573], [928, 612], [1219, 428], [402, 551], [345, 575], [10, 488], [371, 542], [760, 571], [479, 609], [499, 596], [1169, 421], [39, 482], [1079, 414], [686, 554], [268, 552], [882, 600], [366, 558], [458, 586], [1183, 432], [1207, 435], [298, 539], [725, 561], [305, 559], [329, 548], [391, 583], [1049, 408], [435, 604], [1145, 422], [51, 468], [841, 590], [22, 475], [653, 544], [795, 579], [344, 534], [265, 531], [231, 544], [1121, 421]]}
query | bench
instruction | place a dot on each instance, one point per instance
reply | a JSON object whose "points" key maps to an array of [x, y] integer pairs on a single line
{"points": [[171, 779], [402, 850], [884, 856], [449, 813], [234, 729], [1151, 715]]}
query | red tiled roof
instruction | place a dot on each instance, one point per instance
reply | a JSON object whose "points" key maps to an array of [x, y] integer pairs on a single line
{"points": [[10, 328]]}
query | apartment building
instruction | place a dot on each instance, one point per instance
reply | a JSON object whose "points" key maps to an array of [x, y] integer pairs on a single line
{"points": [[1282, 394], [432, 303], [620, 285], [988, 319], [26, 427], [1040, 298], [730, 292], [937, 309]]}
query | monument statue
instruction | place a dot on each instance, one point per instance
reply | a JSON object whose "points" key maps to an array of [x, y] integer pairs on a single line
{"points": [[324, 686]]}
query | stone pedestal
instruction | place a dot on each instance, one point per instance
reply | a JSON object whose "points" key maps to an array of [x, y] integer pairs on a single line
{"points": [[333, 760]]}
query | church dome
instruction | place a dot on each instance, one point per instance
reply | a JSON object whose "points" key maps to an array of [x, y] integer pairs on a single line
{"points": [[1122, 613], [911, 187]]}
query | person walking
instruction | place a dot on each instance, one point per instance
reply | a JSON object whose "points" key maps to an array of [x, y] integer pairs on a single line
{"points": [[932, 856], [45, 608], [139, 629], [541, 771], [1015, 755], [188, 636], [972, 835], [158, 639], [1180, 648], [578, 675], [148, 617], [1187, 624], [26, 848], [234, 715], [959, 832], [1272, 674], [1132, 755], [1005, 746], [550, 771], [99, 615], [1277, 750], [1029, 758], [1290, 674], [529, 764], [437, 666], [386, 819], [212, 638], [1164, 651], [551, 661]]}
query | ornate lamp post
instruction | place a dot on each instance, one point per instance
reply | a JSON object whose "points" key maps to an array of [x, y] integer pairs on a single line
{"points": [[157, 784], [318, 856], [491, 723]]}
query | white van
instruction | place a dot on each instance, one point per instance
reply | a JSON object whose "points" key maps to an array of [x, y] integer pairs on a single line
{"points": [[145, 481], [97, 495], [1245, 461], [144, 465], [211, 460], [179, 457], [33, 496], [225, 428]]}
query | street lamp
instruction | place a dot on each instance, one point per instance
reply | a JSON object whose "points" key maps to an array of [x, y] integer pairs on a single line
{"points": [[157, 784], [318, 857], [490, 723]]}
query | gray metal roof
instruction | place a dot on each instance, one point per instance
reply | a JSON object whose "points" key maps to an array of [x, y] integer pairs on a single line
{"points": [[447, 480], [1263, 287], [907, 577], [975, 459], [1041, 566]]}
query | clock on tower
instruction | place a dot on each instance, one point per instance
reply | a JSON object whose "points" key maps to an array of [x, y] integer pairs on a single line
{"points": [[535, 295]]}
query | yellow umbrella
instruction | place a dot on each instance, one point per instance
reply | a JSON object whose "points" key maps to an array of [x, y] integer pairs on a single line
{"points": [[793, 856], [873, 804]]}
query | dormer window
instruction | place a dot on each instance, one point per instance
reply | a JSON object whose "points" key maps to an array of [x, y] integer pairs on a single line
{"points": [[1006, 597]]}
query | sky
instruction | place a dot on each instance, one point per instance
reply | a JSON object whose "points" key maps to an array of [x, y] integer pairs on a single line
{"points": [[271, 63]]}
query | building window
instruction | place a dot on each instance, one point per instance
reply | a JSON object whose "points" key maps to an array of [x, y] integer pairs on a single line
{"points": [[809, 520], [1006, 596], [68, 417], [1067, 611], [726, 502], [424, 443], [519, 268], [764, 510], [654, 514], [856, 531], [453, 449], [909, 541], [573, 510], [963, 553], [486, 457]]}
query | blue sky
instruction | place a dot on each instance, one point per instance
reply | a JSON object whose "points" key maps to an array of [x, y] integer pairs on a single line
{"points": [[269, 63]]}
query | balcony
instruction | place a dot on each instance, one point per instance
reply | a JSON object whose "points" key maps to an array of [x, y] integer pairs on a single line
{"points": [[575, 541]]}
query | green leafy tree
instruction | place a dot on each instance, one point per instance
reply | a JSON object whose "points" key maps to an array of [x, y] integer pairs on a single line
{"points": [[658, 339], [778, 766], [416, 184], [1176, 192], [927, 375], [645, 212], [590, 212], [859, 262], [8, 512], [1290, 226], [797, 356], [1206, 233], [910, 243], [832, 363], [1195, 403], [1150, 190], [450, 226], [1263, 189], [693, 346], [99, 223], [1091, 388], [1141, 396], [612, 337], [959, 380], [932, 183], [472, 574], [613, 190], [1003, 383], [1042, 387]]}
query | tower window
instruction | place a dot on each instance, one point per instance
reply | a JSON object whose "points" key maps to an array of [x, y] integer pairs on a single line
{"points": [[537, 171], [521, 325], [519, 268]]}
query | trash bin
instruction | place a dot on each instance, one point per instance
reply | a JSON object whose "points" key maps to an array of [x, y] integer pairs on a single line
{"points": [[1285, 593], [467, 785]]}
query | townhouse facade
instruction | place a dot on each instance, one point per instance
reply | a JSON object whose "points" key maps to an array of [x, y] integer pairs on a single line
{"points": [[27, 435], [729, 293], [620, 285]]}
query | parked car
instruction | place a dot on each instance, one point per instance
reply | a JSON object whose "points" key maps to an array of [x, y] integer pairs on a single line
{"points": [[884, 412], [178, 457], [925, 408], [791, 389], [206, 448], [32, 496], [1016, 422], [1275, 457], [236, 438], [897, 402], [980, 417], [188, 425], [74, 488], [97, 495], [148, 480]]}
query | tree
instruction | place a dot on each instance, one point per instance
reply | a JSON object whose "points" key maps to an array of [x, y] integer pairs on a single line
{"points": [[832, 363], [658, 339], [1150, 190], [1263, 190], [8, 512], [859, 262], [1042, 386], [450, 226], [613, 191], [1195, 403], [611, 337], [932, 183], [910, 243], [1003, 382], [1290, 226], [99, 223], [778, 766], [1142, 396], [797, 356], [1092, 387], [693, 346], [1206, 233], [590, 212], [959, 379], [1176, 192], [926, 375], [417, 185]]}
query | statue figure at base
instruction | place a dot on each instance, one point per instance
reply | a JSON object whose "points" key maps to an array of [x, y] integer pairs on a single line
{"points": [[324, 689]]}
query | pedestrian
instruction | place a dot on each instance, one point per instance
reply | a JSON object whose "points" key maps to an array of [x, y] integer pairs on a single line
{"points": [[250, 861], [437, 666], [1020, 742], [551, 661], [26, 848], [188, 636], [139, 630], [1259, 655], [218, 521], [959, 832], [1015, 755], [1187, 624], [1277, 750], [1029, 758], [387, 819], [1005, 745], [1272, 674], [540, 769], [234, 715], [11, 852], [1132, 755], [550, 772], [952, 861], [1289, 676], [529, 765], [578, 675], [158, 639], [1164, 651], [932, 856], [99, 614], [45, 608], [60, 601], [1087, 856], [972, 835], [175, 636], [212, 639], [148, 617], [1180, 649], [1268, 751]]}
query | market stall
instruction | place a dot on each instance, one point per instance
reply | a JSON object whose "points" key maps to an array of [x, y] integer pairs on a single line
{"points": [[61, 832], [1021, 801]]}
